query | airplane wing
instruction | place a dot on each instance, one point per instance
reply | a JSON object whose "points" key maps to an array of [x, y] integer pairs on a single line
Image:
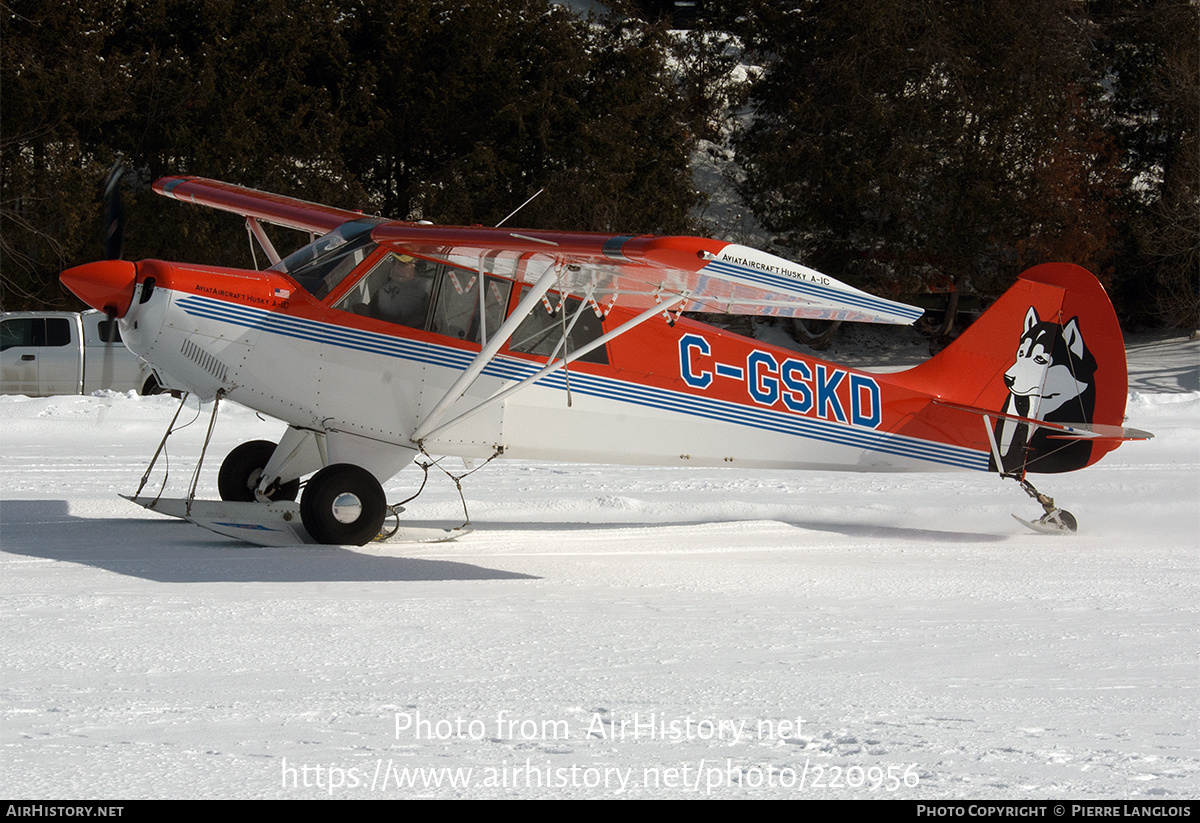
{"points": [[276, 209], [635, 271], [638, 271]]}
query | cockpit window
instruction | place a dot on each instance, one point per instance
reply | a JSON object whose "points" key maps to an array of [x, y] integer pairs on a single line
{"points": [[321, 265], [456, 312], [396, 290], [425, 294]]}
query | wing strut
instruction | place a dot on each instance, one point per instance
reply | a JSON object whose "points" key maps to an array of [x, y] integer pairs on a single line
{"points": [[268, 248], [566, 332], [427, 432], [464, 381]]}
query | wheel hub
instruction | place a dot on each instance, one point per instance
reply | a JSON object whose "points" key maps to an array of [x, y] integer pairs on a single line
{"points": [[347, 508]]}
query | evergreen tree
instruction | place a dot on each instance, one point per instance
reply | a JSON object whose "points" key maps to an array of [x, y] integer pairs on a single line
{"points": [[906, 141], [624, 161], [54, 82], [464, 110], [1149, 52], [451, 111]]}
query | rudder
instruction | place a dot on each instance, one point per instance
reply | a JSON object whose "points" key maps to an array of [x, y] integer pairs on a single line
{"points": [[1049, 349]]}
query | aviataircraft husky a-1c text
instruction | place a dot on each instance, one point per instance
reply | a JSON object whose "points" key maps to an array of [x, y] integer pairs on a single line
{"points": [[382, 342]]}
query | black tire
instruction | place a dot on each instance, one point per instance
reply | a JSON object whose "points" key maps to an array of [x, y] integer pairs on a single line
{"points": [[359, 501], [241, 470], [152, 387]]}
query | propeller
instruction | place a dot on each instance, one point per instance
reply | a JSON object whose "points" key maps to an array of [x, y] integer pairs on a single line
{"points": [[114, 212], [114, 235], [107, 284]]}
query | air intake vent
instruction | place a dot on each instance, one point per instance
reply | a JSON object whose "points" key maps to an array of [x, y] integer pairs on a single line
{"points": [[204, 360]]}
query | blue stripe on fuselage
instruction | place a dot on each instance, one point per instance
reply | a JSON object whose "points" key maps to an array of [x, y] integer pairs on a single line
{"points": [[603, 387]]}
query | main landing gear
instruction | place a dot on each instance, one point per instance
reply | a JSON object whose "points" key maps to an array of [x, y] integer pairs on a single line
{"points": [[342, 504]]}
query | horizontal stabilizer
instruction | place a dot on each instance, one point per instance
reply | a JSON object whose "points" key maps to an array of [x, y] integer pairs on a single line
{"points": [[1063, 431]]}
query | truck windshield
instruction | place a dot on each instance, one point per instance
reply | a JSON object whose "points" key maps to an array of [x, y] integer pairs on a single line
{"points": [[323, 263]]}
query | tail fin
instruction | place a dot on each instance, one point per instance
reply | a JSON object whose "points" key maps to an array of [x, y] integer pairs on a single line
{"points": [[1049, 349]]}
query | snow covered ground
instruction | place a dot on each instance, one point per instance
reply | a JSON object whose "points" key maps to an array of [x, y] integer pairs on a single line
{"points": [[606, 632]]}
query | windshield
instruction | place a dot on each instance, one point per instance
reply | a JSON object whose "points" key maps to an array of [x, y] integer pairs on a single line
{"points": [[323, 263]]}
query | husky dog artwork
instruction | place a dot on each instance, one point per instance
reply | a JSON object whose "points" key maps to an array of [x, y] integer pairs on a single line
{"points": [[1053, 379]]}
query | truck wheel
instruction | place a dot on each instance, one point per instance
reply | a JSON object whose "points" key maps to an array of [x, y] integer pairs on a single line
{"points": [[242, 470], [343, 505]]}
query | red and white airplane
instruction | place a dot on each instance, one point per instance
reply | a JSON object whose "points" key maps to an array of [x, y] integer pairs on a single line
{"points": [[381, 340]]}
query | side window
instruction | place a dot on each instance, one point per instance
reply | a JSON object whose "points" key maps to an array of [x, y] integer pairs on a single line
{"points": [[58, 331], [22, 331], [109, 331], [541, 331], [396, 290], [456, 312]]}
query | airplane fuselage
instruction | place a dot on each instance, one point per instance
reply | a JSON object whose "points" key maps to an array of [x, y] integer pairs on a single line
{"points": [[665, 393], [382, 340]]}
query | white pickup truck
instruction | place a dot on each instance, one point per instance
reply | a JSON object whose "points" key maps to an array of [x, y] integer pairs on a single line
{"points": [[62, 352]]}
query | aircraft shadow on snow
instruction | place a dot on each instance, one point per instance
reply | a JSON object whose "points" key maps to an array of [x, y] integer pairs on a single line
{"points": [[173, 551], [847, 529]]}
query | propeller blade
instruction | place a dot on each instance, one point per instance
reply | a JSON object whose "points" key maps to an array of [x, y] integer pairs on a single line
{"points": [[110, 326], [110, 337], [114, 216]]}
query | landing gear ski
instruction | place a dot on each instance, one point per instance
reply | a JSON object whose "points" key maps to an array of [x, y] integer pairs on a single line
{"points": [[1054, 521], [342, 504]]}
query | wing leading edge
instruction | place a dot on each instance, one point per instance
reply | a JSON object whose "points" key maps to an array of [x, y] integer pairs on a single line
{"points": [[276, 209], [635, 271]]}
